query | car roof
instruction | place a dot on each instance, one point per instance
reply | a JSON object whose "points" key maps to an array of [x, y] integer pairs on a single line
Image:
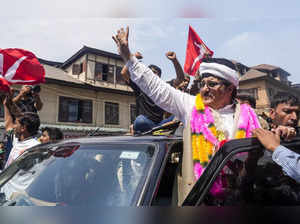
{"points": [[123, 139]]}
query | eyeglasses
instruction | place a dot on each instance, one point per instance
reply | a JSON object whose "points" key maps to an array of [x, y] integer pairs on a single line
{"points": [[209, 84]]}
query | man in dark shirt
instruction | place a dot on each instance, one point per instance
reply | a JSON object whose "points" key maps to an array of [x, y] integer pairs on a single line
{"points": [[148, 114]]}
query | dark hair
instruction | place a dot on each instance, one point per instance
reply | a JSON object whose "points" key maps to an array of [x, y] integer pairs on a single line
{"points": [[31, 121], [284, 97], [54, 133], [156, 68], [249, 98]]}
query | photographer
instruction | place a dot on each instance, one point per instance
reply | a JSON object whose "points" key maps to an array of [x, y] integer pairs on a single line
{"points": [[28, 100]]}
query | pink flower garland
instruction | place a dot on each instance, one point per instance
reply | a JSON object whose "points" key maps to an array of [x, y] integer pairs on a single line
{"points": [[199, 124]]}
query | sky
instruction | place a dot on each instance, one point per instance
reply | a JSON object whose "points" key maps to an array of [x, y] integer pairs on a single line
{"points": [[251, 32]]}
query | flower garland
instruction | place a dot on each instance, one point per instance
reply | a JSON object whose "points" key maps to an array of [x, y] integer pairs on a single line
{"points": [[206, 139]]}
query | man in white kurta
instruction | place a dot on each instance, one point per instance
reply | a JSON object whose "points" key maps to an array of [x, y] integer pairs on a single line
{"points": [[174, 101]]}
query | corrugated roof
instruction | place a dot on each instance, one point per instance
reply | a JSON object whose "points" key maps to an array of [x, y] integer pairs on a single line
{"points": [[85, 50], [265, 66], [52, 63], [59, 74], [252, 74]]}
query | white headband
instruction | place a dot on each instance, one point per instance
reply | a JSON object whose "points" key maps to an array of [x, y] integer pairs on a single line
{"points": [[221, 71]]}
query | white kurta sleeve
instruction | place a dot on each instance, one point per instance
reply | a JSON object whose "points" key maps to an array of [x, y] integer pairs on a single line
{"points": [[165, 96]]}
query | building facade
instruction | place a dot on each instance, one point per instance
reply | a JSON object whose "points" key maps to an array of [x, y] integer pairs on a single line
{"points": [[263, 82], [86, 94]]}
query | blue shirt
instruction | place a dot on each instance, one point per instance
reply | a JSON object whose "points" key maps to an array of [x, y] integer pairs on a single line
{"points": [[289, 161]]}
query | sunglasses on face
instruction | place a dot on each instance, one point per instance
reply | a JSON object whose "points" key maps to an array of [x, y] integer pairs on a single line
{"points": [[209, 84]]}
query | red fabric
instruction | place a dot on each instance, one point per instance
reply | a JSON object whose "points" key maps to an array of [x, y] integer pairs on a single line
{"points": [[193, 53], [18, 66]]}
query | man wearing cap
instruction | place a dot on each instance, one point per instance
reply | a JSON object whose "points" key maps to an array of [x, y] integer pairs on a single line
{"points": [[212, 116]]}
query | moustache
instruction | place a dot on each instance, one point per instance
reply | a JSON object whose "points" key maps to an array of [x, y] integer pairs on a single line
{"points": [[207, 94]]}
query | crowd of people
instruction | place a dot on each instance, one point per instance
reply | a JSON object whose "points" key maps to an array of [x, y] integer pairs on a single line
{"points": [[22, 123], [212, 110], [216, 114]]}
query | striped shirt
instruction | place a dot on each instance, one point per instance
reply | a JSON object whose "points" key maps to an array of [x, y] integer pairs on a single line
{"points": [[289, 161]]}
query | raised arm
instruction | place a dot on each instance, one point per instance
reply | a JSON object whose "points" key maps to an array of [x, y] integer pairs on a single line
{"points": [[24, 90], [171, 100], [179, 71], [124, 72], [8, 119]]}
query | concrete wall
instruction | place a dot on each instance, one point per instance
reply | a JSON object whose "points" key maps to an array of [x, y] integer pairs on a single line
{"points": [[88, 76], [50, 96], [260, 85]]}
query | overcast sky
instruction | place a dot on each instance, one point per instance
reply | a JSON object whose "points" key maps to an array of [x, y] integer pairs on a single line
{"points": [[250, 31]]}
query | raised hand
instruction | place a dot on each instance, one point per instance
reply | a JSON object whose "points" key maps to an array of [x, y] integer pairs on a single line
{"points": [[171, 55], [121, 39], [25, 90]]}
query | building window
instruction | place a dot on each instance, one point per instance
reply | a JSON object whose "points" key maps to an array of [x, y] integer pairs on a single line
{"points": [[119, 77], [111, 75], [111, 113], [272, 92], [77, 69], [253, 92], [132, 113], [104, 72], [75, 110]]}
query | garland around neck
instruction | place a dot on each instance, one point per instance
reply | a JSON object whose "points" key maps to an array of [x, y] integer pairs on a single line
{"points": [[207, 137]]}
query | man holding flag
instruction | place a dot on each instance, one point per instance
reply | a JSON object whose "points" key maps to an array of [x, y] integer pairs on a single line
{"points": [[18, 66]]}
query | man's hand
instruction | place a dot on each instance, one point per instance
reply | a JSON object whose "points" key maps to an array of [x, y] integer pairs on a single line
{"points": [[269, 140], [25, 90], [285, 132], [121, 39], [171, 55]]}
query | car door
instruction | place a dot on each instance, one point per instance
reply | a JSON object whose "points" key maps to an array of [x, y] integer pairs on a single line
{"points": [[243, 173]]}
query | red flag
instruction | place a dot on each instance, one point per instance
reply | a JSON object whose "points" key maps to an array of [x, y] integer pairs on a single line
{"points": [[18, 66], [196, 50]]}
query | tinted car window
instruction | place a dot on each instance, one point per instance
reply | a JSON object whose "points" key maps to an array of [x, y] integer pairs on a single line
{"points": [[252, 178], [89, 175]]}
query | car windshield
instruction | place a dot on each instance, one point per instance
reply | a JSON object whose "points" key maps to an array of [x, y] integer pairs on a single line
{"points": [[106, 174]]}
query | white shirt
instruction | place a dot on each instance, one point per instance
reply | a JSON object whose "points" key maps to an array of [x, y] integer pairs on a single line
{"points": [[18, 147], [23, 179], [170, 99]]}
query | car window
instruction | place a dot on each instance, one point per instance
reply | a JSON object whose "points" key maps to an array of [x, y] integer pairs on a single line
{"points": [[252, 178], [89, 175]]}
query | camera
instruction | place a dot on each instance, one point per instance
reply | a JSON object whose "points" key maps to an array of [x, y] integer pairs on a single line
{"points": [[34, 89]]}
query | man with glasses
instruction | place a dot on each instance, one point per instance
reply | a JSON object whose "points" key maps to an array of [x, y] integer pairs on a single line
{"points": [[212, 116]]}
